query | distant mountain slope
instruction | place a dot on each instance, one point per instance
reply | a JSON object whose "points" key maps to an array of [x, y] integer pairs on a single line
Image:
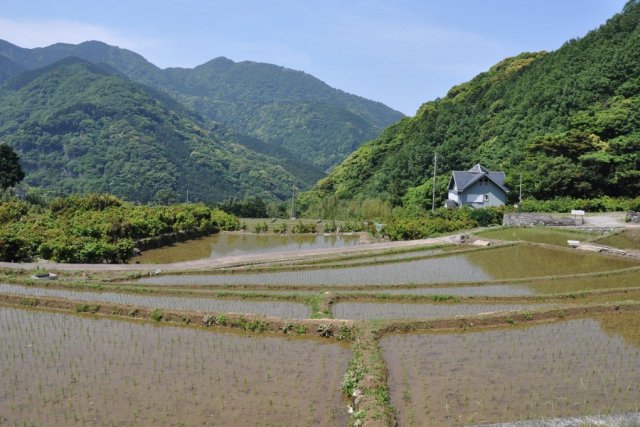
{"points": [[80, 128], [319, 124], [568, 120], [8, 68]]}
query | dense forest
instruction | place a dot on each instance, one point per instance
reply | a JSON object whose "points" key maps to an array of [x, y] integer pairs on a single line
{"points": [[290, 109], [568, 121], [80, 128]]}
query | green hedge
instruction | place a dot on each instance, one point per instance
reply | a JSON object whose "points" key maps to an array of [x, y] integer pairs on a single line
{"points": [[96, 228], [566, 204], [442, 221]]}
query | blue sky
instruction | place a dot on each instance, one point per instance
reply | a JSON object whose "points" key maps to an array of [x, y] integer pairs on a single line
{"points": [[399, 52]]}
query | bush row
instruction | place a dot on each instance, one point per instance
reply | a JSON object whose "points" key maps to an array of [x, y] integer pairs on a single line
{"points": [[442, 221], [566, 204], [96, 228]]}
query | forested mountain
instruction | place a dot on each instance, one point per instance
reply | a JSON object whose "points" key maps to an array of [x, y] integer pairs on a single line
{"points": [[81, 128], [280, 106], [568, 120], [8, 68]]}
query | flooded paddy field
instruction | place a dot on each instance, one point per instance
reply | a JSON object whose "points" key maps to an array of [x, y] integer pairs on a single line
{"points": [[628, 239], [287, 310], [459, 291], [510, 262], [629, 279], [389, 310], [396, 255], [58, 369], [234, 244], [550, 236], [565, 369], [566, 285]]}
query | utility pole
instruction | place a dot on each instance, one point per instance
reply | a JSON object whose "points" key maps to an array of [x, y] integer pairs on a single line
{"points": [[520, 202], [187, 195], [293, 203], [433, 196]]}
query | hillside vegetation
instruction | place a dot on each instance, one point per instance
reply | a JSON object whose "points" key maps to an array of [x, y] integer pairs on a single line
{"points": [[280, 106], [80, 128], [568, 120], [95, 228]]}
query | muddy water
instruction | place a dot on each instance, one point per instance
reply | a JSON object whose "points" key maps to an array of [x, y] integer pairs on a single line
{"points": [[522, 261], [429, 270], [374, 310], [60, 370], [511, 262], [286, 310], [563, 369], [231, 244]]}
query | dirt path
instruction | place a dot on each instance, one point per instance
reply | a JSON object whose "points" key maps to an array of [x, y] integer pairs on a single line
{"points": [[208, 263], [608, 219]]}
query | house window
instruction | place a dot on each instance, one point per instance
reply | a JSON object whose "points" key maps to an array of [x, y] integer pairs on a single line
{"points": [[486, 197], [484, 181]]}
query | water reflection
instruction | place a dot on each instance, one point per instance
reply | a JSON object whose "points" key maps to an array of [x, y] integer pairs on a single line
{"points": [[236, 244]]}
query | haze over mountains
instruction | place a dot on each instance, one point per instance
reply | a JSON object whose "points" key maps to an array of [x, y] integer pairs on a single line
{"points": [[568, 120]]}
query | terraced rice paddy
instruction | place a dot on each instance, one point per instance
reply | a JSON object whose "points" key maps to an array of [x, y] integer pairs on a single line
{"points": [[440, 330], [572, 368], [236, 244], [62, 370], [567, 285], [629, 279], [628, 239], [287, 310], [509, 262], [467, 291], [366, 310], [550, 236]]}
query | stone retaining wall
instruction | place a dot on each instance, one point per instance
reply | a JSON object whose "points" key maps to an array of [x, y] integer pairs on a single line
{"points": [[531, 219]]}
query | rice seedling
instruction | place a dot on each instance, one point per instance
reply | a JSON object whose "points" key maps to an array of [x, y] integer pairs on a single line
{"points": [[569, 368], [60, 369]]}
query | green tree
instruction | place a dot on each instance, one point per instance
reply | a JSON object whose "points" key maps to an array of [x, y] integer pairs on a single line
{"points": [[10, 171]]}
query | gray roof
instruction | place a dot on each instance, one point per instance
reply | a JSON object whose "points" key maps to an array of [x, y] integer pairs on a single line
{"points": [[464, 179]]}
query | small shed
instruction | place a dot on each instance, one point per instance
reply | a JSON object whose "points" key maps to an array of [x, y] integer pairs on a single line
{"points": [[478, 187]]}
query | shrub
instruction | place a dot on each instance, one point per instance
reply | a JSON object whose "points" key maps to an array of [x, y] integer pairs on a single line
{"points": [[95, 228], [260, 227], [280, 228], [301, 227], [330, 227]]}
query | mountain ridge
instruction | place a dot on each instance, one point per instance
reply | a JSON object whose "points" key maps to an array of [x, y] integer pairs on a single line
{"points": [[220, 88], [79, 129]]}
